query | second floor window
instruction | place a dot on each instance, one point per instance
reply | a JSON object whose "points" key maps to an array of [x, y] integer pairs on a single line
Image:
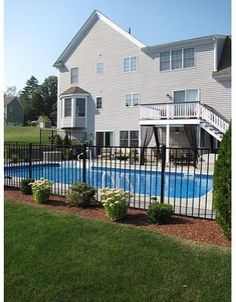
{"points": [[80, 107], [74, 75], [132, 99], [130, 64], [99, 102], [99, 68], [177, 59], [67, 108]]}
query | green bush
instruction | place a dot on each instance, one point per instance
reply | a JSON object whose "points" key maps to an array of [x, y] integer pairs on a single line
{"points": [[80, 194], [66, 141], [58, 140], [115, 202], [222, 185], [25, 188], [159, 212]]}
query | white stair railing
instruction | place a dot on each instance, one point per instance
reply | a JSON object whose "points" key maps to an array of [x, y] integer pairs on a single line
{"points": [[213, 118]]}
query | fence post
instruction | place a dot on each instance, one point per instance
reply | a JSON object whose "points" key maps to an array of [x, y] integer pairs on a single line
{"points": [[40, 136], [163, 167], [84, 162], [30, 160]]}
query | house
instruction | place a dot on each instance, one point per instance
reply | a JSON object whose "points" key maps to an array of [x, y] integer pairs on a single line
{"points": [[13, 111], [120, 91]]}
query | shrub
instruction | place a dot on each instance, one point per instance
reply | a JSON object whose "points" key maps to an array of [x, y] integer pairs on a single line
{"points": [[41, 190], [115, 202], [67, 154], [159, 212], [222, 185], [66, 141], [58, 140], [80, 194], [14, 159], [25, 186]]}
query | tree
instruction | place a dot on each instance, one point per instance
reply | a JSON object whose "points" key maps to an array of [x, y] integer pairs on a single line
{"points": [[222, 185], [11, 91], [26, 97]]}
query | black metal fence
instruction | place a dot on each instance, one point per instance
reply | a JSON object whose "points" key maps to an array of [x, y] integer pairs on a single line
{"points": [[50, 136], [179, 176]]}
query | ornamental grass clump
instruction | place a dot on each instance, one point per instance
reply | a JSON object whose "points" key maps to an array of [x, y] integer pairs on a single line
{"points": [[41, 190], [115, 202]]}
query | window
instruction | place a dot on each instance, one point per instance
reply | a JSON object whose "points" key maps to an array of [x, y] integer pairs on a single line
{"points": [[188, 57], [189, 95], [165, 60], [74, 75], [99, 102], [99, 69], [80, 107], [130, 64], [134, 138], [67, 108], [177, 59], [132, 99], [124, 138], [129, 138]]}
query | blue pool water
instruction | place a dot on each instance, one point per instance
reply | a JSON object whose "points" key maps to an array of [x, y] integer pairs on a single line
{"points": [[177, 185]]}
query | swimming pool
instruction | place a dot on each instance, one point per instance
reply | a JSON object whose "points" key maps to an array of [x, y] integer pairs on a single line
{"points": [[142, 182]]}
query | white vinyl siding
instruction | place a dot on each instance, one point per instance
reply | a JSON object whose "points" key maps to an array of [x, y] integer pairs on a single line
{"points": [[130, 64], [132, 99], [99, 68], [74, 75]]}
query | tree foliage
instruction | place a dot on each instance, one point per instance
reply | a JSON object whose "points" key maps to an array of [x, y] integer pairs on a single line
{"points": [[40, 99], [222, 185]]}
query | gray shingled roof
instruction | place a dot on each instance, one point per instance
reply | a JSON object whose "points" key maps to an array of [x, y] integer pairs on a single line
{"points": [[9, 99], [75, 90], [224, 67]]}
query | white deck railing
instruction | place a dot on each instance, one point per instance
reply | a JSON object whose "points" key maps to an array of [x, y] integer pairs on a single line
{"points": [[170, 111], [184, 111]]}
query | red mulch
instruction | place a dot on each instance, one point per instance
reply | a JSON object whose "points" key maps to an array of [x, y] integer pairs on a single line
{"points": [[200, 230]]}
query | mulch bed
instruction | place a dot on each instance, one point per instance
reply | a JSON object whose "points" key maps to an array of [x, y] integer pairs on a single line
{"points": [[200, 230]]}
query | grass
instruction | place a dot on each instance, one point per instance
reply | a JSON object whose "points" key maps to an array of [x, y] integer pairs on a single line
{"points": [[24, 135], [51, 256]]}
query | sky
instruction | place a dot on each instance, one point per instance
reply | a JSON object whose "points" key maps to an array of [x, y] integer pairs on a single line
{"points": [[37, 31]]}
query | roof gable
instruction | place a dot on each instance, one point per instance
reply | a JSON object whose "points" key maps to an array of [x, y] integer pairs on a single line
{"points": [[81, 34], [9, 99]]}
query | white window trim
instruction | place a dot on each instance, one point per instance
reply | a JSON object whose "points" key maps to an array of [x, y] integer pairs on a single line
{"points": [[185, 89], [132, 99], [113, 134], [100, 74], [96, 102], [77, 82], [182, 68], [130, 71]]}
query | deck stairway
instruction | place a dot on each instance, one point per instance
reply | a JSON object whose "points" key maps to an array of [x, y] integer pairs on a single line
{"points": [[213, 122], [209, 119]]}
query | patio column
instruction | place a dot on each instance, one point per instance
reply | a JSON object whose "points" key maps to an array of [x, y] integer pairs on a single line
{"points": [[167, 144]]}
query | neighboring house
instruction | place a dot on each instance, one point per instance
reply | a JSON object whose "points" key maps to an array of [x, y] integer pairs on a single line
{"points": [[117, 90], [13, 111]]}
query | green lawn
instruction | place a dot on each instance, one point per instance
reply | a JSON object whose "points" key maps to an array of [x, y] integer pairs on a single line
{"points": [[22, 135], [56, 257]]}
